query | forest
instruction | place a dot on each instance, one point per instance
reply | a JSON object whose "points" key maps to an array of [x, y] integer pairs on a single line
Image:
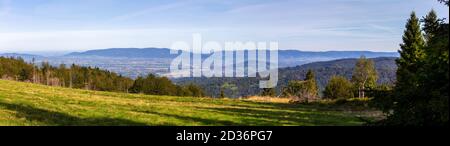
{"points": [[80, 77]]}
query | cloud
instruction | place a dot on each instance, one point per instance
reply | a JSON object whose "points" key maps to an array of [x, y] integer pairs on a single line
{"points": [[149, 11]]}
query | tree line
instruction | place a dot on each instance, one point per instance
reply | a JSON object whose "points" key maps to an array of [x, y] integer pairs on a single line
{"points": [[420, 96], [80, 77], [420, 93], [364, 78]]}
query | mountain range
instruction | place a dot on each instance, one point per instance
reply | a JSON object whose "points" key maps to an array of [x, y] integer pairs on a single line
{"points": [[133, 62]]}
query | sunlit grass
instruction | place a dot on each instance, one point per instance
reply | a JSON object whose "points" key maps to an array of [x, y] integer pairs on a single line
{"points": [[30, 104]]}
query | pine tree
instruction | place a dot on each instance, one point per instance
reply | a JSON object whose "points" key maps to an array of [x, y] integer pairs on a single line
{"points": [[310, 75], [222, 94], [313, 87], [269, 92], [446, 2], [411, 61], [411, 55], [431, 25], [431, 102]]}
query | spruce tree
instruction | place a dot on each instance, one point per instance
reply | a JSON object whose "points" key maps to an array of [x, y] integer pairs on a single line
{"points": [[431, 25], [411, 59], [411, 54], [314, 88], [432, 100], [310, 75]]}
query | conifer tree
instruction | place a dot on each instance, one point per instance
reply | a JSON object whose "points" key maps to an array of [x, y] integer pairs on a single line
{"points": [[431, 25], [411, 55], [407, 91]]}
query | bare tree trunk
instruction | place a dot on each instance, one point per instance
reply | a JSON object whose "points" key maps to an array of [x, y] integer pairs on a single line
{"points": [[363, 88], [47, 78], [34, 73], [70, 80], [359, 92]]}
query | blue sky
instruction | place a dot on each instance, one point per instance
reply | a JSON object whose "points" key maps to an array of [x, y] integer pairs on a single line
{"points": [[313, 25]]}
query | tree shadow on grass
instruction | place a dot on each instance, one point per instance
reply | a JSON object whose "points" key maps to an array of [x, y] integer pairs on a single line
{"points": [[60, 119], [202, 121], [251, 116], [290, 106]]}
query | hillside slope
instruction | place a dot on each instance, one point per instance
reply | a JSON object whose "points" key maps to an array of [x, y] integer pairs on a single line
{"points": [[237, 87], [30, 104]]}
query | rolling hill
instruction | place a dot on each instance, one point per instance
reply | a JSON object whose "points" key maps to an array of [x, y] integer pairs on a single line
{"points": [[237, 87], [134, 62], [287, 58], [31, 104]]}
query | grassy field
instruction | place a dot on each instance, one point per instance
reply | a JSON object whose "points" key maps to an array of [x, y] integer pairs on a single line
{"points": [[31, 104]]}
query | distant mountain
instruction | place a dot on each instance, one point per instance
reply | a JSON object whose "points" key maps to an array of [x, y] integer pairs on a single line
{"points": [[284, 54], [287, 58], [133, 62], [290, 58], [369, 54], [23, 56], [236, 87], [127, 53]]}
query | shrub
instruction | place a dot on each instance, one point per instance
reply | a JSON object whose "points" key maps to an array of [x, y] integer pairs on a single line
{"points": [[338, 88]]}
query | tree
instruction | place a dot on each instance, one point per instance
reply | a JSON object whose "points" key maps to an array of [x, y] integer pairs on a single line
{"points": [[46, 70], [364, 75], [411, 54], [313, 87], [222, 93], [301, 91], [268, 92], [90, 78], [338, 87], [432, 102], [310, 75], [35, 80], [421, 93], [137, 85], [446, 2], [431, 25], [24, 75], [195, 90], [411, 58]]}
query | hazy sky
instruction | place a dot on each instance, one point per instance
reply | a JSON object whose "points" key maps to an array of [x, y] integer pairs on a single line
{"points": [[313, 25]]}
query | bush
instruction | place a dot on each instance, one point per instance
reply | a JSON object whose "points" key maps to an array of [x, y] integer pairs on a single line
{"points": [[338, 88], [301, 91], [381, 97]]}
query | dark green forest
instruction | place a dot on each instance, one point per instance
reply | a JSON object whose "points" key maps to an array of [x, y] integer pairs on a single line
{"points": [[420, 96], [324, 71]]}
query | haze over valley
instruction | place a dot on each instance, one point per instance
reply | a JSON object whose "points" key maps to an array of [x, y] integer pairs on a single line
{"points": [[134, 62]]}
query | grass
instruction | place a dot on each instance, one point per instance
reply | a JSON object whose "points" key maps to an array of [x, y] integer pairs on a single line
{"points": [[24, 104]]}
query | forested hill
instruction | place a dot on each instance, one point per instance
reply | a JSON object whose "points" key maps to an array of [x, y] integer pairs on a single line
{"points": [[385, 66], [127, 53], [134, 62], [236, 87]]}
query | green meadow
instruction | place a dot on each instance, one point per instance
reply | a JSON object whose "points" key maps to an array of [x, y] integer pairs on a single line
{"points": [[26, 104]]}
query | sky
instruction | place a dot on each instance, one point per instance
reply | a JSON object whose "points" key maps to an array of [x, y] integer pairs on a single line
{"points": [[313, 25]]}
